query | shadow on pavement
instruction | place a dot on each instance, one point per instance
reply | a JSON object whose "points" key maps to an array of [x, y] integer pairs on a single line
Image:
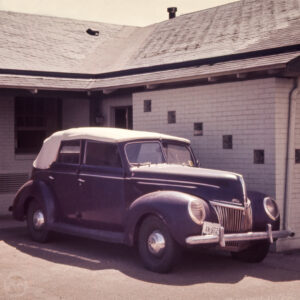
{"points": [[194, 268]]}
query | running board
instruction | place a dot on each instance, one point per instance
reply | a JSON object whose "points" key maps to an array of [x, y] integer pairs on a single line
{"points": [[95, 234]]}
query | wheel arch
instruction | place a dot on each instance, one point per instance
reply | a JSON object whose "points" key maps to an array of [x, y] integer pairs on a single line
{"points": [[39, 191], [170, 206], [259, 216]]}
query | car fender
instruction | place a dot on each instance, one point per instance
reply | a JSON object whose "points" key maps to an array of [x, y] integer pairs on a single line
{"points": [[171, 207], [38, 190], [259, 215]]}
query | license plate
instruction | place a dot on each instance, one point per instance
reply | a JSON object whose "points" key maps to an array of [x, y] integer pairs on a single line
{"points": [[211, 228]]}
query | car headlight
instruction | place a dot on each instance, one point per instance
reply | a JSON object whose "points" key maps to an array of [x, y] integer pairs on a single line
{"points": [[271, 208], [197, 211]]}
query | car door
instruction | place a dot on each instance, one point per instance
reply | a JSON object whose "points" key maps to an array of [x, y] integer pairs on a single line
{"points": [[63, 177], [101, 177]]}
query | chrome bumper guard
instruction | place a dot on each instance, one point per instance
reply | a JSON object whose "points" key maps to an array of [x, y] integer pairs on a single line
{"points": [[222, 238]]}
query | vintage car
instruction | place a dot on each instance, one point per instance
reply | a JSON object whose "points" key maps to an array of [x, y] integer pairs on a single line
{"points": [[143, 189]]}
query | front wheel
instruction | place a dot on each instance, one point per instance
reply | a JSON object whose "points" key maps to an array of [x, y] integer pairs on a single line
{"points": [[36, 222], [253, 254], [158, 250]]}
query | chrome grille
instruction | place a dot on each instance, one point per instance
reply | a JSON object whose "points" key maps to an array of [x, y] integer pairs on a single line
{"points": [[234, 220]]}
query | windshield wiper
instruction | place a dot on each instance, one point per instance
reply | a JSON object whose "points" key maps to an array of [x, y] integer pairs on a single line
{"points": [[146, 163]]}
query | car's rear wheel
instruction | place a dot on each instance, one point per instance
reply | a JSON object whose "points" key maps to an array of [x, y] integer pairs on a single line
{"points": [[253, 254], [36, 222], [158, 250]]}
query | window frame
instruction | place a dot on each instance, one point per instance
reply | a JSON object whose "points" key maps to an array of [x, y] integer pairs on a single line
{"points": [[147, 105], [80, 153], [21, 112], [173, 119], [195, 125], [187, 146], [263, 156], [100, 166], [142, 142], [227, 144]]}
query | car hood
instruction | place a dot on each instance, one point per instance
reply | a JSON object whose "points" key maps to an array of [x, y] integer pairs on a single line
{"points": [[209, 184]]}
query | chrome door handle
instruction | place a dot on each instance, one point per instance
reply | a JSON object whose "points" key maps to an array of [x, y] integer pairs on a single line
{"points": [[51, 177], [81, 180]]}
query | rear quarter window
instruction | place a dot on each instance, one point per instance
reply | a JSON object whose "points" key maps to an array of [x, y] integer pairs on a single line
{"points": [[69, 152]]}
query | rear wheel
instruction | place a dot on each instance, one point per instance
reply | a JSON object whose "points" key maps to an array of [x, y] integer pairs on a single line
{"points": [[36, 222], [158, 250], [253, 254]]}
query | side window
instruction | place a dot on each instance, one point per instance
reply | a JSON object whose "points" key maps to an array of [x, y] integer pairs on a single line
{"points": [[102, 154], [69, 152]]}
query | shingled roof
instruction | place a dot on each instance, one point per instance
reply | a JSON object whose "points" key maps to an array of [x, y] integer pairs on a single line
{"points": [[238, 27], [50, 44]]}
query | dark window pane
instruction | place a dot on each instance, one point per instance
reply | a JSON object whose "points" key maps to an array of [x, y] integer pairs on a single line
{"points": [[227, 141], [297, 156], [30, 141], [171, 117], [37, 116], [198, 129], [69, 152], [147, 105], [259, 156], [102, 154]]}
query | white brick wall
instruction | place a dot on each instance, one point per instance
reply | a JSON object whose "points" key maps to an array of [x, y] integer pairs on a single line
{"points": [[242, 109], [294, 208], [254, 112], [75, 113], [283, 87]]}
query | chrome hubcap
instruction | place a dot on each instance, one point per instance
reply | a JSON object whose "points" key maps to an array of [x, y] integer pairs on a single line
{"points": [[156, 243], [38, 219]]}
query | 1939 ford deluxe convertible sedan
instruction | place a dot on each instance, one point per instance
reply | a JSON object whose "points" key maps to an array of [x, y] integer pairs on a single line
{"points": [[144, 189]]}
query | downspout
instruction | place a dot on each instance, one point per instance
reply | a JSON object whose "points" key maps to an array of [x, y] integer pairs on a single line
{"points": [[290, 151]]}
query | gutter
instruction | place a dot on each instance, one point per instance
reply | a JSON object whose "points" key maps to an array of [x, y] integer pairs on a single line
{"points": [[155, 68], [290, 150]]}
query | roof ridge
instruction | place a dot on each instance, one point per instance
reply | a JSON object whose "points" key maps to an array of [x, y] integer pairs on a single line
{"points": [[210, 8], [46, 16]]}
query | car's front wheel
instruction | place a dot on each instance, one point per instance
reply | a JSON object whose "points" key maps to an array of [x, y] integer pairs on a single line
{"points": [[158, 250], [36, 222], [253, 254]]}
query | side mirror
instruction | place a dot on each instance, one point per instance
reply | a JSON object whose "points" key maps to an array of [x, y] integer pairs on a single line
{"points": [[198, 163]]}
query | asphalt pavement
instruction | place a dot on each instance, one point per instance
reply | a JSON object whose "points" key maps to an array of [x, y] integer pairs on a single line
{"points": [[76, 268]]}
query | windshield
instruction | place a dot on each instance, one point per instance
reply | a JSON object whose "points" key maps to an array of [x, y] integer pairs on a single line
{"points": [[178, 154], [141, 153], [145, 153]]}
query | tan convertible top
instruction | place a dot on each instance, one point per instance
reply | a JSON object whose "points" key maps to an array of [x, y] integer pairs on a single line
{"points": [[50, 148]]}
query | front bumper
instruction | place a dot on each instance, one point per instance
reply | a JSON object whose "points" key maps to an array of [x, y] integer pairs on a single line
{"points": [[222, 238]]}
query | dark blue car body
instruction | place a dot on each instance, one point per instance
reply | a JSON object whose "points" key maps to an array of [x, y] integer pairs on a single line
{"points": [[110, 203]]}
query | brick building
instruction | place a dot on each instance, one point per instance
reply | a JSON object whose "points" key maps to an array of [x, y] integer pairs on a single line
{"points": [[227, 78]]}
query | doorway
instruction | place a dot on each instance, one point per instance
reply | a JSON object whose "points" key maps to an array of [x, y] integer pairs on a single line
{"points": [[123, 117]]}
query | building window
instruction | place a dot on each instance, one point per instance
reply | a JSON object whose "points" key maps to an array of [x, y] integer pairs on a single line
{"points": [[297, 156], [259, 156], [227, 141], [147, 105], [171, 117], [198, 129], [35, 119]]}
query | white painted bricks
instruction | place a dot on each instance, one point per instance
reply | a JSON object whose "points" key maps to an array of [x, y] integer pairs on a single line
{"points": [[254, 112]]}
